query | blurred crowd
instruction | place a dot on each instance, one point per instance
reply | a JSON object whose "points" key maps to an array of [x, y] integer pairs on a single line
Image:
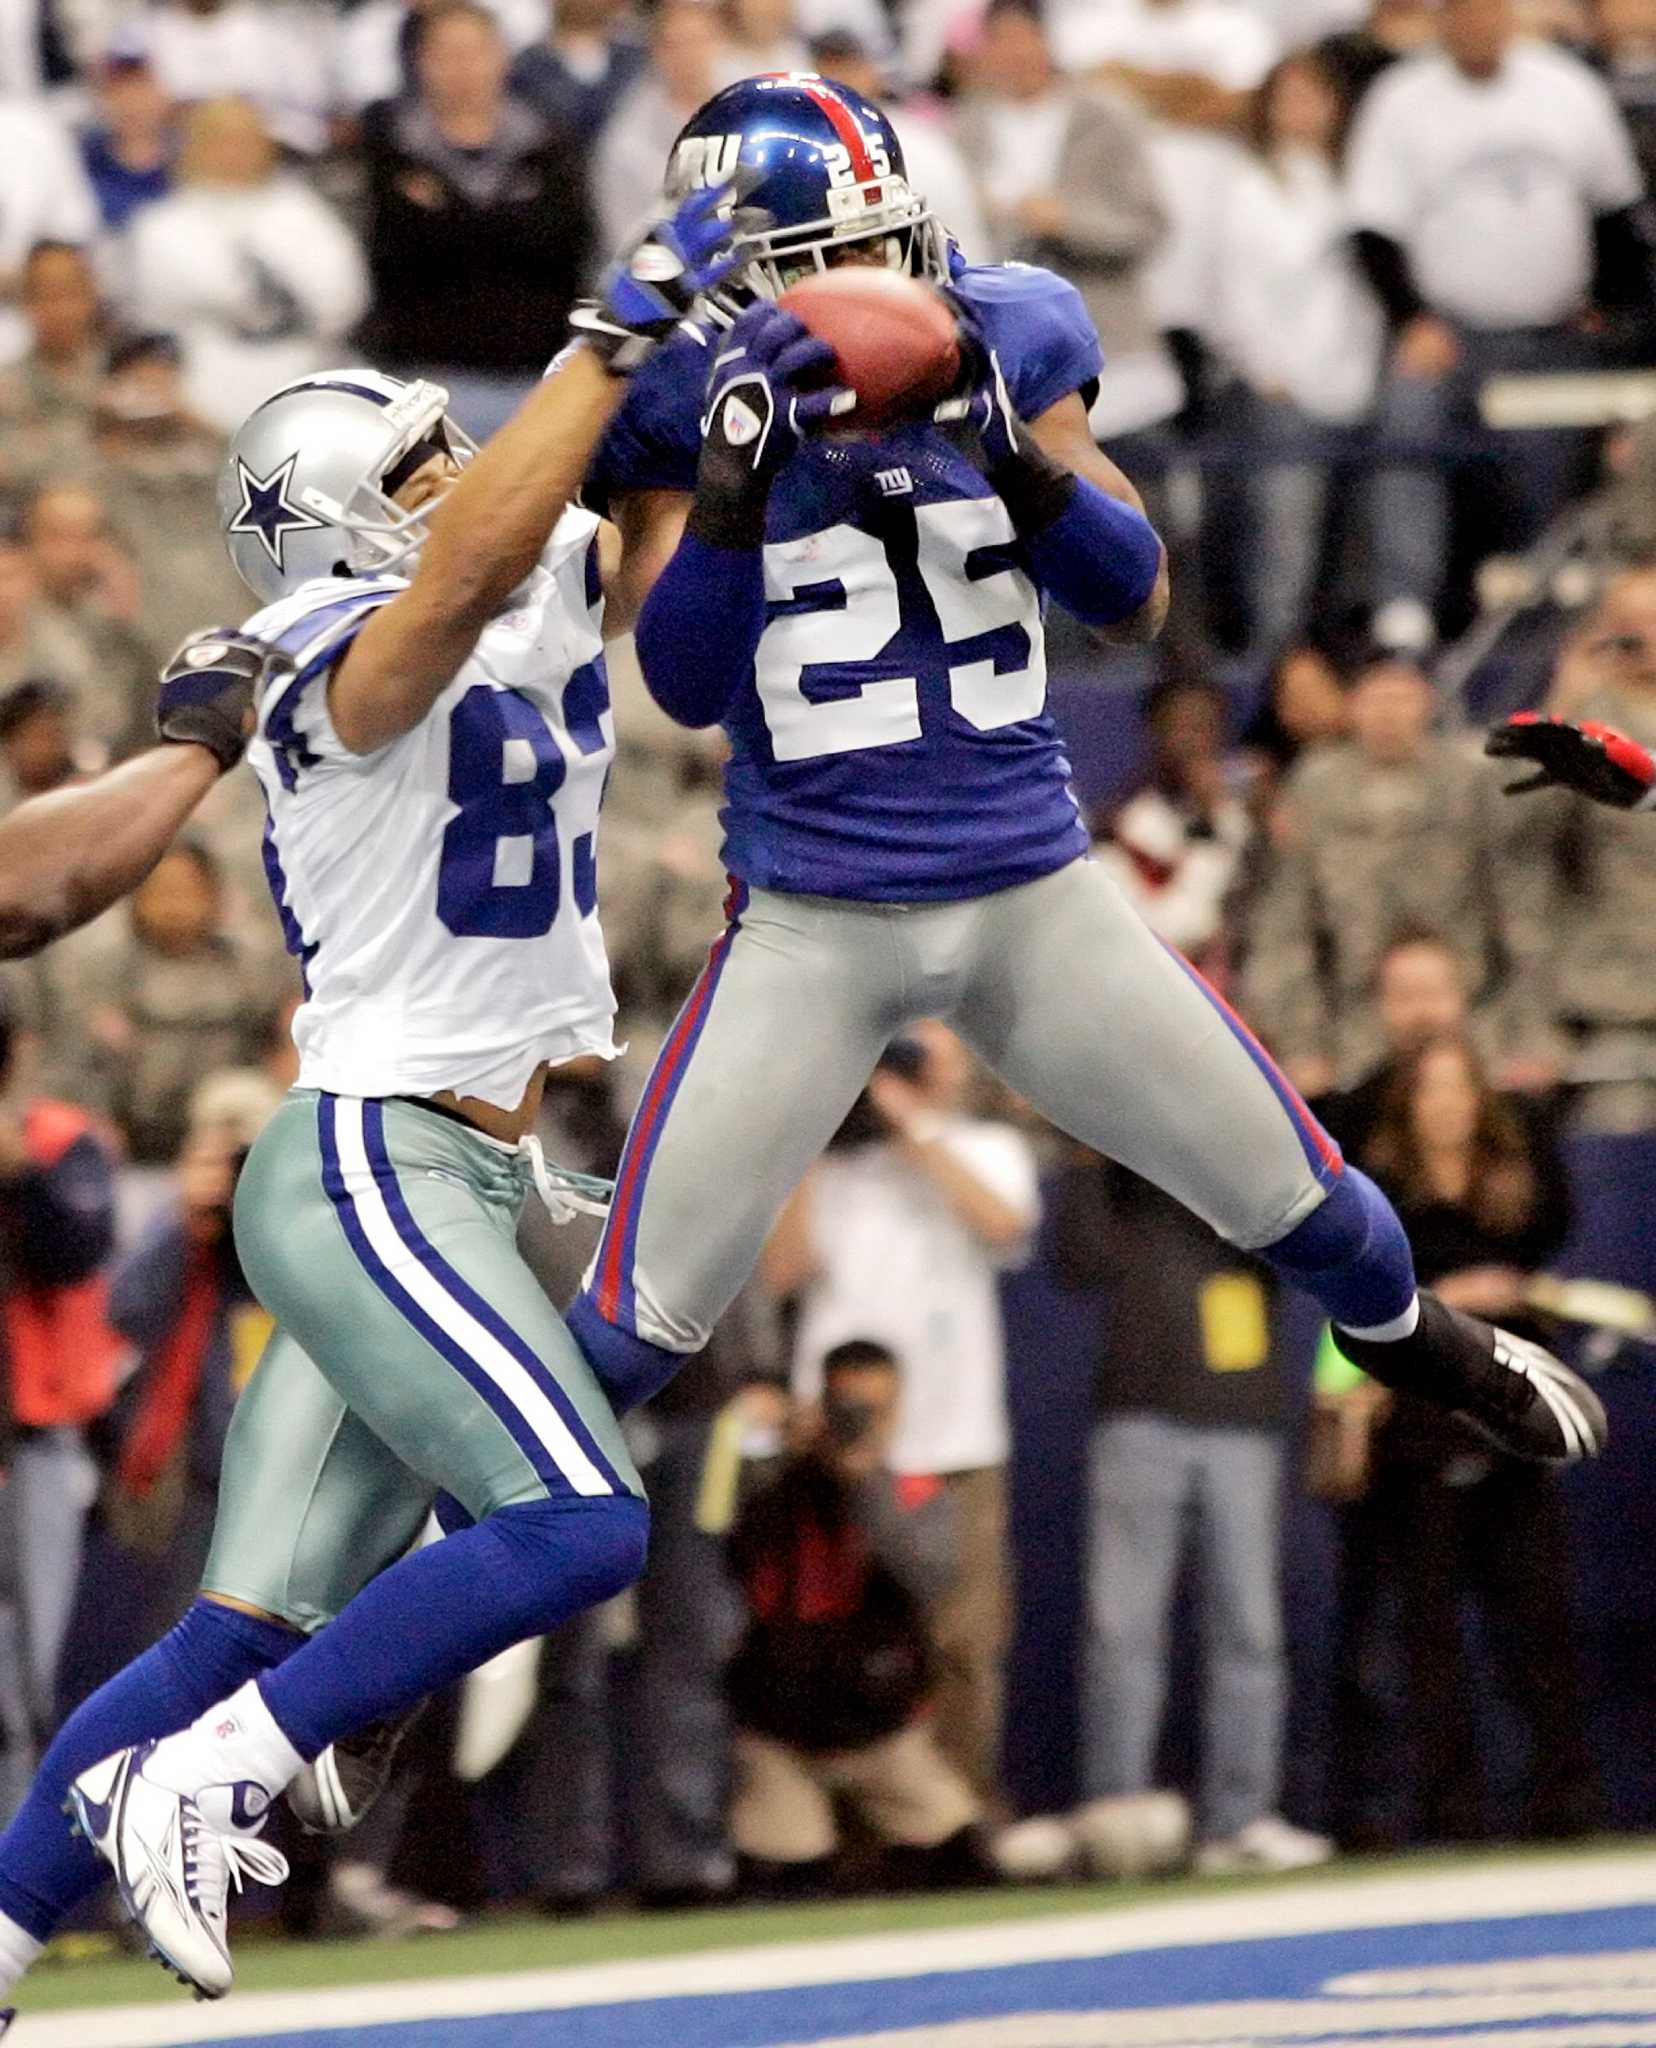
{"points": [[1378, 305]]}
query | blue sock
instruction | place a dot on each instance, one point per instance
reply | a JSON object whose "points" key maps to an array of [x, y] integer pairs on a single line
{"points": [[441, 1611], [629, 1369], [1350, 1254], [44, 1869]]}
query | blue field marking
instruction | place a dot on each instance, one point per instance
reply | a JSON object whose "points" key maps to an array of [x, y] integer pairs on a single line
{"points": [[1278, 1968]]}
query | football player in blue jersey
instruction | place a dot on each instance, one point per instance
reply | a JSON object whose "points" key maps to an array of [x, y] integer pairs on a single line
{"points": [[863, 615]]}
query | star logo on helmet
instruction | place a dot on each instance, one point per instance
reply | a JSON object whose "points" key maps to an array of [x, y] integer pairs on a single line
{"points": [[268, 511]]}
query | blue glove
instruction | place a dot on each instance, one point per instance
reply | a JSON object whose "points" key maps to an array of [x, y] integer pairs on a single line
{"points": [[766, 391], [658, 276]]}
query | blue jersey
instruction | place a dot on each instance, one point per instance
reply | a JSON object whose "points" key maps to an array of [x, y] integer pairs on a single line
{"points": [[890, 741]]}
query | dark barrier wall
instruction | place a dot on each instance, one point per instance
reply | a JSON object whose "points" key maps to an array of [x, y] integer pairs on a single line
{"points": [[1613, 1507]]}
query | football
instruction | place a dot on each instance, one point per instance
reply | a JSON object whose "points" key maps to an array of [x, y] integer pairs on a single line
{"points": [[895, 339]]}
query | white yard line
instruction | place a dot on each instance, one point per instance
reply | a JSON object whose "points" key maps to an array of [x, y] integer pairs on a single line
{"points": [[1500, 1890]]}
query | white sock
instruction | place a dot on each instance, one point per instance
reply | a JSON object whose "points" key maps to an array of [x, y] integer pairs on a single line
{"points": [[18, 1949], [1399, 1327], [236, 1741]]}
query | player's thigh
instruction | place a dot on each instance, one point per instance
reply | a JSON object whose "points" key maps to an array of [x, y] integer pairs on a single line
{"points": [[1115, 1038], [779, 1812], [311, 1504], [770, 1051], [382, 1237]]}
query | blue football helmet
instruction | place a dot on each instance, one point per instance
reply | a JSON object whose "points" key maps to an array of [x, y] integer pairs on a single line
{"points": [[827, 167]]}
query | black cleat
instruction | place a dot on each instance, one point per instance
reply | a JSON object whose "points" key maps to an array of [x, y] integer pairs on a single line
{"points": [[1516, 1395], [330, 1796], [6, 2018]]}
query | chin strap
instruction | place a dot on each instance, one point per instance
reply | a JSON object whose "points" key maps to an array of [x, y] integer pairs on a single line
{"points": [[566, 1194]]}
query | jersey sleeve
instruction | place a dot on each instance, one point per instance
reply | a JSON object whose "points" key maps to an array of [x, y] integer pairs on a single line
{"points": [[1039, 326], [654, 441], [294, 721]]}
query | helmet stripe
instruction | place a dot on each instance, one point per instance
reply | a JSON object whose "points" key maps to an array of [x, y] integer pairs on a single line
{"points": [[839, 115]]}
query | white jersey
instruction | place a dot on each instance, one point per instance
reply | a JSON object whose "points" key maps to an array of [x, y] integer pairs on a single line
{"points": [[441, 893]]}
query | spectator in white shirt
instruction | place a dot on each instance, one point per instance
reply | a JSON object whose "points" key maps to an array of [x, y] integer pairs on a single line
{"points": [[1297, 321], [257, 276], [899, 1235], [686, 53], [1066, 181], [1492, 184], [46, 199], [217, 49]]}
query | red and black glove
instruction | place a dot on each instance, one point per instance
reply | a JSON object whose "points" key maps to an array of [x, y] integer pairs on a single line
{"points": [[1595, 759]]}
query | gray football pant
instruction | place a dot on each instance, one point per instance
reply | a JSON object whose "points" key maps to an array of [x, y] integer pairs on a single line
{"points": [[1060, 988]]}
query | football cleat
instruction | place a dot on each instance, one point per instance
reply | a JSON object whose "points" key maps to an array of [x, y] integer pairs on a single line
{"points": [[330, 1796], [1516, 1395], [175, 1856], [6, 2018]]}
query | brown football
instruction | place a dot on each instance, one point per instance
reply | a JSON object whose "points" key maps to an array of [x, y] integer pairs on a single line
{"points": [[895, 338]]}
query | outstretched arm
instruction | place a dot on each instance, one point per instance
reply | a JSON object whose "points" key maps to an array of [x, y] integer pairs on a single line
{"points": [[496, 520], [66, 857]]}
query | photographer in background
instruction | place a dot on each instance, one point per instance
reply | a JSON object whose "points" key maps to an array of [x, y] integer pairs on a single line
{"points": [[838, 1560], [900, 1233], [57, 1365]]}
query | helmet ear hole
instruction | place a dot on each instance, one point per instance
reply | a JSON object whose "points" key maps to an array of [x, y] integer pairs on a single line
{"points": [[342, 568]]}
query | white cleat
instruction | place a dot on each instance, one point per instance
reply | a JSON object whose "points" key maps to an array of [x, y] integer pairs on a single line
{"points": [[175, 1856]]}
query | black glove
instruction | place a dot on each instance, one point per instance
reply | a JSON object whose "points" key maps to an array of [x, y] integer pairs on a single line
{"points": [[979, 417], [766, 391], [1595, 759], [210, 692], [658, 276]]}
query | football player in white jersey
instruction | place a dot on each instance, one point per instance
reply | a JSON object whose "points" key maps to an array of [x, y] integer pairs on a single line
{"points": [[433, 732]]}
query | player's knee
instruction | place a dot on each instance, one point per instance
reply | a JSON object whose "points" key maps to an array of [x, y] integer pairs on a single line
{"points": [[571, 1555], [1354, 1224], [630, 1369]]}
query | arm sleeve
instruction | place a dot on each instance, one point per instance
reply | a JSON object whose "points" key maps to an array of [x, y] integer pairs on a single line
{"points": [[1621, 261], [700, 629], [1386, 269], [1040, 328], [67, 1213], [1099, 558]]}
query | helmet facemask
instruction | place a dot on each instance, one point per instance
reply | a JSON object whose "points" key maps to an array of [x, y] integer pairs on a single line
{"points": [[381, 536], [879, 209]]}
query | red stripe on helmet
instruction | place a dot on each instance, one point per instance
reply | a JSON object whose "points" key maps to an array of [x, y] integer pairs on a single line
{"points": [[844, 126]]}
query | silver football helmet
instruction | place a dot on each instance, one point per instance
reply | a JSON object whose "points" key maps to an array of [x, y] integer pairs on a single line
{"points": [[306, 489]]}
